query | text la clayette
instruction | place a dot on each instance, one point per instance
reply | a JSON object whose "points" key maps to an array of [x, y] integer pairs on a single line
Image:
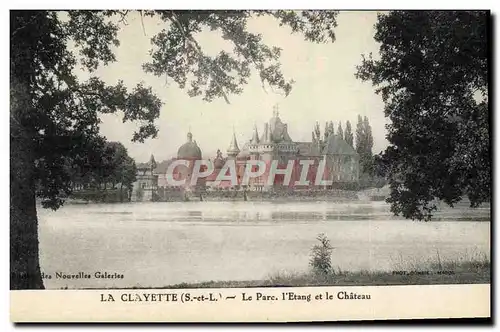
{"points": [[245, 297]]}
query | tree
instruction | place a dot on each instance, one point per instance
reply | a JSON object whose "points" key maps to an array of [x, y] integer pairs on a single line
{"points": [[317, 132], [340, 132], [321, 256], [330, 128], [91, 170], [368, 137], [326, 133], [128, 175], [118, 166], [54, 117], [380, 166], [364, 146], [360, 136], [366, 158], [348, 136], [106, 174], [104, 168], [432, 75]]}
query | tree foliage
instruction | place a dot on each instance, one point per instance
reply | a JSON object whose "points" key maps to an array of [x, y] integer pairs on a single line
{"points": [[122, 165], [364, 145], [64, 114], [54, 116], [340, 132], [348, 135], [360, 133], [178, 55], [321, 256], [368, 137], [104, 168], [328, 130], [317, 133], [432, 75], [331, 131]]}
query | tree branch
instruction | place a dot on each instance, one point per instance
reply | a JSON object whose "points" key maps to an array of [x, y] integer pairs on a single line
{"points": [[142, 22], [238, 46], [123, 18], [187, 36]]}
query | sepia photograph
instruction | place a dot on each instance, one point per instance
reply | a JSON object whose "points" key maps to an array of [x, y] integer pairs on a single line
{"points": [[315, 154]]}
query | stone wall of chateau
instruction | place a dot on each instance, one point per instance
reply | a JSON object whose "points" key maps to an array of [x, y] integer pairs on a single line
{"points": [[144, 187]]}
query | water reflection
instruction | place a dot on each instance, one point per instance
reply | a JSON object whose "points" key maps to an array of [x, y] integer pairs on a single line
{"points": [[195, 214], [303, 212]]}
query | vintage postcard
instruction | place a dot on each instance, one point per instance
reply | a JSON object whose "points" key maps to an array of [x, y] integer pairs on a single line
{"points": [[249, 165]]}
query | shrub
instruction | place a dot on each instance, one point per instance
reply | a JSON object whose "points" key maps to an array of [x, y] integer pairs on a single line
{"points": [[321, 256]]}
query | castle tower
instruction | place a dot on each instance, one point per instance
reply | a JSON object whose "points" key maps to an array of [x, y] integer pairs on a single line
{"points": [[253, 146], [266, 145], [152, 163], [233, 149], [255, 137], [189, 150]]}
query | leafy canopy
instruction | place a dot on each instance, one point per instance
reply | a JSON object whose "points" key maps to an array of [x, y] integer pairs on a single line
{"points": [[433, 77], [111, 165], [62, 114]]}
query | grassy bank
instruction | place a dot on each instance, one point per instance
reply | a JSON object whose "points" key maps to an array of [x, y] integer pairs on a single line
{"points": [[450, 272]]}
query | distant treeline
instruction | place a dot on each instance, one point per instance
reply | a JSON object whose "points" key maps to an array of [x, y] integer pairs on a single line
{"points": [[102, 196], [110, 167], [363, 144]]}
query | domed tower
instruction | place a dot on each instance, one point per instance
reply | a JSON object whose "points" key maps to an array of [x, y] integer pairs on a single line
{"points": [[233, 149], [219, 160], [189, 150]]}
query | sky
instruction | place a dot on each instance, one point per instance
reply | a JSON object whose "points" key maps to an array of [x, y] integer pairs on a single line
{"points": [[325, 89]]}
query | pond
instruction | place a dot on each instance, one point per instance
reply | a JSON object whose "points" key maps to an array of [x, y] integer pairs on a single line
{"points": [[160, 244]]}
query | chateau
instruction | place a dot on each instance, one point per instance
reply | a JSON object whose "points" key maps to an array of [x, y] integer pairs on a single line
{"points": [[273, 144]]}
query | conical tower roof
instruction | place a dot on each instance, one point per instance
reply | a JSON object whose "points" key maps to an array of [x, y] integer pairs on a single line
{"points": [[233, 147], [265, 135], [255, 137], [269, 137], [152, 162]]}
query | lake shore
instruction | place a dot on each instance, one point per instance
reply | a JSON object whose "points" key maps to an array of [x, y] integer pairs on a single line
{"points": [[474, 272], [349, 193], [466, 272]]}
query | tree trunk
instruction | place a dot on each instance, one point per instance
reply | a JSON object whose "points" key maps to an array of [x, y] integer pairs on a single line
{"points": [[24, 260]]}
